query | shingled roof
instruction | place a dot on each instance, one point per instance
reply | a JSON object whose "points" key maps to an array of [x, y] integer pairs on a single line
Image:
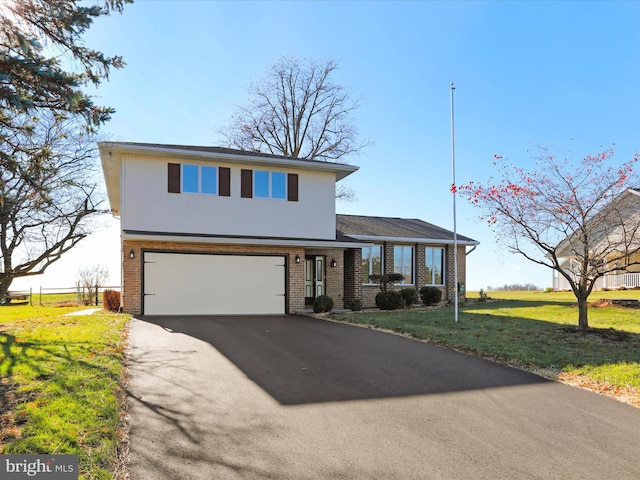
{"points": [[215, 150], [389, 228]]}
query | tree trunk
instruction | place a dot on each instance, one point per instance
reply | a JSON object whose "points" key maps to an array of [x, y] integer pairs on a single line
{"points": [[5, 283], [583, 320]]}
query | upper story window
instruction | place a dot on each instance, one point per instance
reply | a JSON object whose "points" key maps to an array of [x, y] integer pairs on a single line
{"points": [[403, 263], [371, 263], [434, 265], [265, 184], [199, 179], [205, 179], [269, 184]]}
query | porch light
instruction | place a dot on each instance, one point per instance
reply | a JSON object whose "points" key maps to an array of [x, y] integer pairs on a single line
{"points": [[334, 263], [297, 258], [132, 254]]}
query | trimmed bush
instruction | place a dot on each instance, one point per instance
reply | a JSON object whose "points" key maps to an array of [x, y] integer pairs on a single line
{"points": [[355, 305], [323, 303], [389, 300], [430, 295], [111, 300], [409, 295]]}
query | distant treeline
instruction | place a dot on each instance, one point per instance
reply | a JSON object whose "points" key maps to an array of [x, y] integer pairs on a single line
{"points": [[515, 287]]}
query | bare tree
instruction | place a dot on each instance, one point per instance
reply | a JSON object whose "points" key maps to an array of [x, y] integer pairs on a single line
{"points": [[89, 280], [47, 193], [296, 111], [577, 218]]}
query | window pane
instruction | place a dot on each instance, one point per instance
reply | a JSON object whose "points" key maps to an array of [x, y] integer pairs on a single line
{"points": [[397, 259], [376, 260], [190, 178], [209, 180], [438, 265], [261, 184], [366, 255], [428, 264], [403, 262], [407, 264], [278, 185]]}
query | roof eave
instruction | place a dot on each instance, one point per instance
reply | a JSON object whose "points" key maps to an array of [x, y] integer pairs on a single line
{"points": [[340, 169], [441, 241]]}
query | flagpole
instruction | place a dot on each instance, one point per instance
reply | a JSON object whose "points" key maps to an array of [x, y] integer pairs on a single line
{"points": [[453, 191]]}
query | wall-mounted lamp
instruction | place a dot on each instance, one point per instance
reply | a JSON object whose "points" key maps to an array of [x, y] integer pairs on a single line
{"points": [[334, 263], [297, 258], [132, 254]]}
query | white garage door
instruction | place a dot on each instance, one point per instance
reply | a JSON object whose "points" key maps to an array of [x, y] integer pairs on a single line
{"points": [[200, 284]]}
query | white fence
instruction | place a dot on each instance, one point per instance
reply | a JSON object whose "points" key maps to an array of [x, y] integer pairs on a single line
{"points": [[611, 281]]}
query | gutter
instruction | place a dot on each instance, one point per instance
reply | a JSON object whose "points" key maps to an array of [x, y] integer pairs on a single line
{"points": [[440, 241]]}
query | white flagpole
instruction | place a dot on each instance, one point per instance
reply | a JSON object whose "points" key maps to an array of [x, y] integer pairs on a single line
{"points": [[453, 191]]}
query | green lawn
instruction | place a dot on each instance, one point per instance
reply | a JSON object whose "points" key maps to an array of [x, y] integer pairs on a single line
{"points": [[60, 385], [534, 331]]}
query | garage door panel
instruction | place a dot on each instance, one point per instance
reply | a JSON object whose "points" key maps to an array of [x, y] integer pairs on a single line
{"points": [[200, 284]]}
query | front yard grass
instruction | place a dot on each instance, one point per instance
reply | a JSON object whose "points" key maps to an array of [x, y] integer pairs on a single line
{"points": [[60, 385], [535, 332]]}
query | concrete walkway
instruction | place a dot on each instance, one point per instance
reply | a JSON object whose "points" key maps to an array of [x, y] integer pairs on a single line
{"points": [[302, 398]]}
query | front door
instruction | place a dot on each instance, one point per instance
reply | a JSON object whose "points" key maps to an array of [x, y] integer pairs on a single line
{"points": [[313, 278]]}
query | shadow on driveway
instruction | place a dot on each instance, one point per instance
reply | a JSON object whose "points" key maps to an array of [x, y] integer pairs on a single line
{"points": [[301, 360]]}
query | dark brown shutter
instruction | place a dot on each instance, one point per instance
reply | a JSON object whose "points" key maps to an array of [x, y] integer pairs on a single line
{"points": [[224, 181], [246, 183], [292, 187], [174, 178]]}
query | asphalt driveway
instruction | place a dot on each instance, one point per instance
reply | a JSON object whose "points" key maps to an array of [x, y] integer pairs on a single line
{"points": [[291, 397]]}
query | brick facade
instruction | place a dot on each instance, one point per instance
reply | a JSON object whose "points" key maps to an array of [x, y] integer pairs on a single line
{"points": [[352, 275], [334, 276], [369, 292]]}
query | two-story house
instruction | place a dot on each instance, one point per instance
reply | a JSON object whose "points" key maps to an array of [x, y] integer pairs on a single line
{"points": [[209, 230]]}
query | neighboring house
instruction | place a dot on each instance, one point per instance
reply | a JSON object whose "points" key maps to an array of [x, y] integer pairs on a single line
{"points": [[209, 230], [615, 238]]}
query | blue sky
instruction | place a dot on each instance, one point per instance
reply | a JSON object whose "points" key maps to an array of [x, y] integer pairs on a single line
{"points": [[558, 74]]}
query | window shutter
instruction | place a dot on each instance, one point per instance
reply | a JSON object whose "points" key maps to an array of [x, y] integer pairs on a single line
{"points": [[224, 181], [173, 178], [246, 183], [292, 187]]}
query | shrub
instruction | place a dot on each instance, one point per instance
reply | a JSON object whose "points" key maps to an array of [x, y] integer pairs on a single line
{"points": [[483, 296], [430, 295], [384, 280], [323, 303], [409, 295], [355, 304], [389, 300], [111, 300]]}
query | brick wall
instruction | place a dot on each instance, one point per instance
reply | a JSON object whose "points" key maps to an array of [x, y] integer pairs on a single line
{"points": [[342, 282], [352, 274], [450, 274], [132, 269], [369, 292]]}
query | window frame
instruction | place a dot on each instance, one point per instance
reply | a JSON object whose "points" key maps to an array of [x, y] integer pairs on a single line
{"points": [[263, 185], [367, 281], [413, 263], [187, 180], [443, 263]]}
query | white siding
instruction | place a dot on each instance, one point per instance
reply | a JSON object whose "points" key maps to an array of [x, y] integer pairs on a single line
{"points": [[147, 206]]}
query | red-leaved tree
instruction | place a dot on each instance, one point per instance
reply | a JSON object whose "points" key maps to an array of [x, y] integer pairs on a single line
{"points": [[580, 219]]}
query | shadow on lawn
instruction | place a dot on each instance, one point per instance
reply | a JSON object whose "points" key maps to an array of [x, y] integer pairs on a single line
{"points": [[48, 363], [299, 360], [549, 343]]}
